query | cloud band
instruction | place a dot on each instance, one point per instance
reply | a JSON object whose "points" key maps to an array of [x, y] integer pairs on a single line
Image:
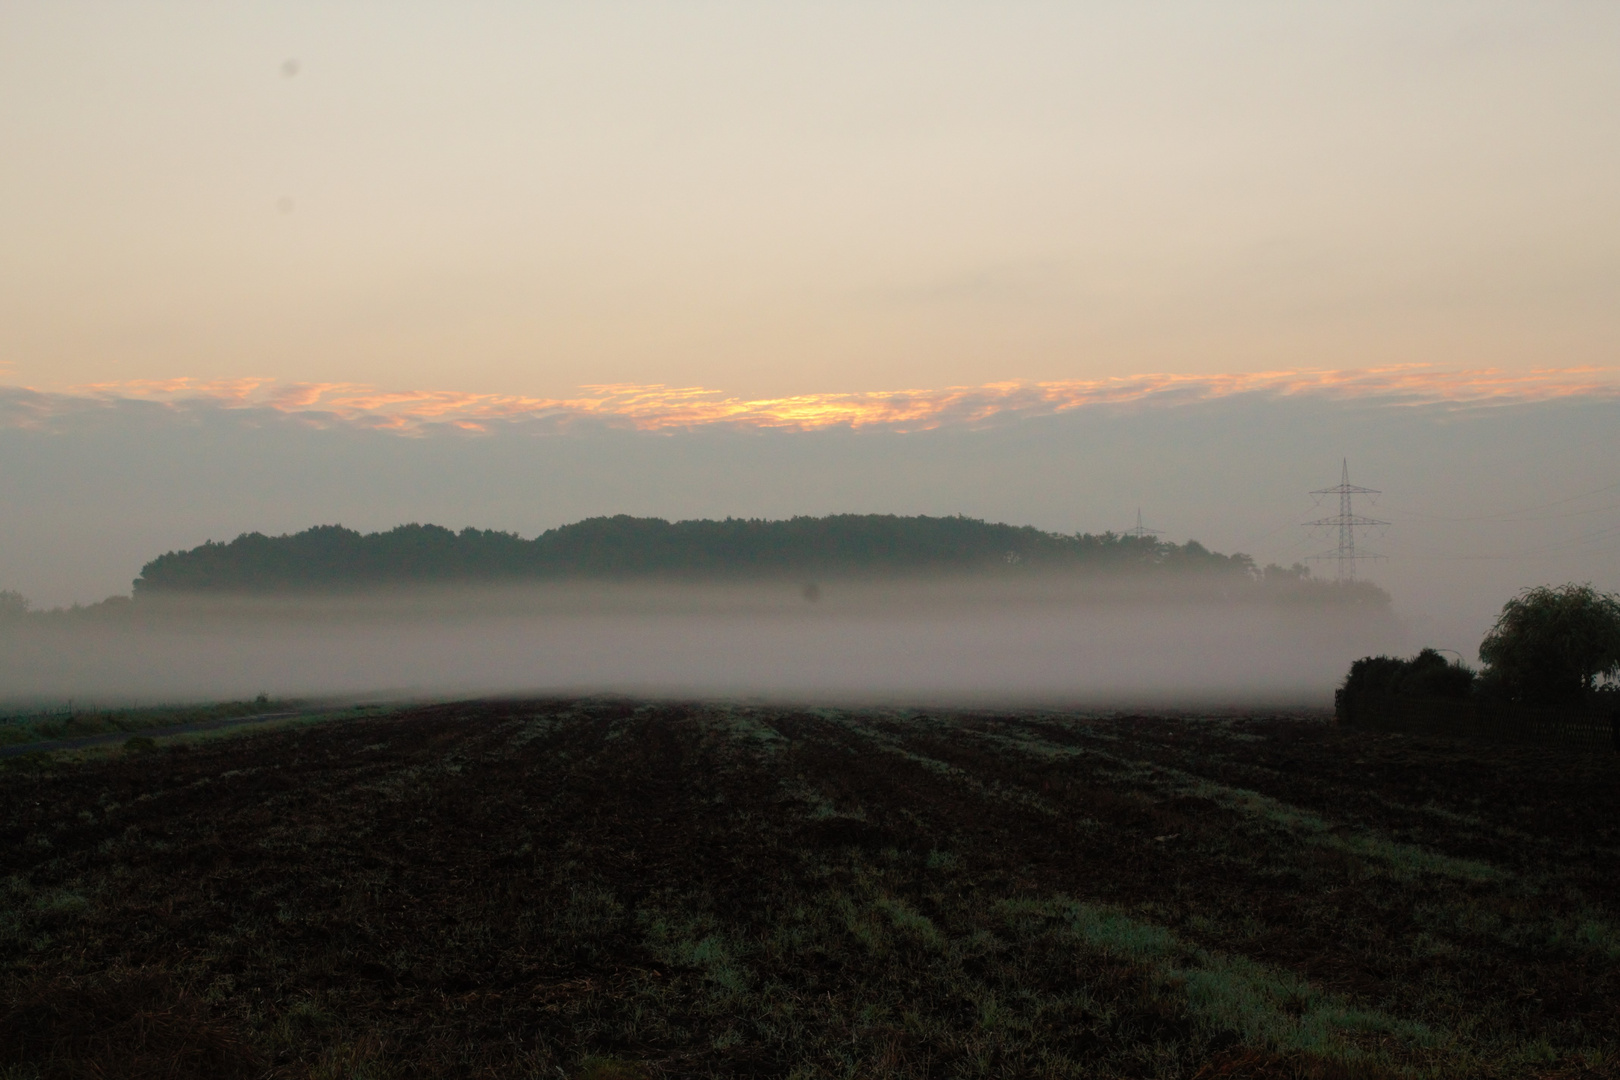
{"points": [[664, 408]]}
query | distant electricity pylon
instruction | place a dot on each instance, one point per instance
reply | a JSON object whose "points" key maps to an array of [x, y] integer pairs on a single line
{"points": [[1140, 532], [1347, 521]]}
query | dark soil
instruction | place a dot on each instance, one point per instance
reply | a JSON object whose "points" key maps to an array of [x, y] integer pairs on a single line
{"points": [[611, 889]]}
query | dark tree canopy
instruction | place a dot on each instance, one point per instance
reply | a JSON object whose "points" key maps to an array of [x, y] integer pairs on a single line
{"points": [[331, 557], [1553, 644]]}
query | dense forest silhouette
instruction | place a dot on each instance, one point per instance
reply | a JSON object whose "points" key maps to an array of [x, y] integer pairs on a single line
{"points": [[334, 558]]}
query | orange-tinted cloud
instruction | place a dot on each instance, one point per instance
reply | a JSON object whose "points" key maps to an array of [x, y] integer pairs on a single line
{"points": [[661, 408]]}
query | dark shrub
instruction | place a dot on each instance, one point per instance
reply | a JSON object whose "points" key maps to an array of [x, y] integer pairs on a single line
{"points": [[1374, 681], [1428, 674]]}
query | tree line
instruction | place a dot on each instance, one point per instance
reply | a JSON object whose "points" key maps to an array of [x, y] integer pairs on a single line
{"points": [[331, 557]]}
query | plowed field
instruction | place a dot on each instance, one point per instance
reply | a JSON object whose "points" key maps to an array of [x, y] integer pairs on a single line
{"points": [[612, 889]]}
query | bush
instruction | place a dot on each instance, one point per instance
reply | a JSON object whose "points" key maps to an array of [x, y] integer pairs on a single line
{"points": [[1374, 680], [13, 605], [1553, 644]]}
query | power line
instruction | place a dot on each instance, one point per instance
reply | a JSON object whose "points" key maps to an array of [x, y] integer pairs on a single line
{"points": [[1596, 539], [1529, 512], [1347, 521]]}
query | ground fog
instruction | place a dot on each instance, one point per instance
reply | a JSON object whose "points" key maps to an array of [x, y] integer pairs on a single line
{"points": [[850, 641]]}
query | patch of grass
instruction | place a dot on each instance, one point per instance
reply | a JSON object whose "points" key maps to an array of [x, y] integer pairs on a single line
{"points": [[609, 1068], [1269, 1008]]}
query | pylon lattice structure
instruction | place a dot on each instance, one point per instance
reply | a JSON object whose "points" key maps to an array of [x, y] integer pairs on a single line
{"points": [[1140, 532], [1346, 521]]}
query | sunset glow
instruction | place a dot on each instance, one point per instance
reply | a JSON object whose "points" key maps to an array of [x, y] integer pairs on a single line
{"points": [[664, 408]]}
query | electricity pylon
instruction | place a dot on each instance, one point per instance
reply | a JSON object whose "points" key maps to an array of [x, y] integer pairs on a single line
{"points": [[1139, 532], [1346, 521]]}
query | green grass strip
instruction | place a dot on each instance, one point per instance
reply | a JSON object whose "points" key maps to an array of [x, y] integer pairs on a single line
{"points": [[1265, 1007]]}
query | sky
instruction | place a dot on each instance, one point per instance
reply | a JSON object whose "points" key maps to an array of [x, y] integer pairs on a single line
{"points": [[273, 265], [771, 200]]}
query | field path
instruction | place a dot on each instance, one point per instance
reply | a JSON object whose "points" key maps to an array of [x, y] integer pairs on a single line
{"points": [[48, 746]]}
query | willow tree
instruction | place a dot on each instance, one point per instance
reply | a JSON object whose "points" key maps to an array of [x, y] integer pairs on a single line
{"points": [[1553, 644]]}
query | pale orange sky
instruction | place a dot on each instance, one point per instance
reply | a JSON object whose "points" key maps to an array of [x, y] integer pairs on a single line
{"points": [[789, 199]]}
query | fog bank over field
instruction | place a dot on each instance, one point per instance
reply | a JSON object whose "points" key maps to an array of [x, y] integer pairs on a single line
{"points": [[1482, 501], [917, 641]]}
